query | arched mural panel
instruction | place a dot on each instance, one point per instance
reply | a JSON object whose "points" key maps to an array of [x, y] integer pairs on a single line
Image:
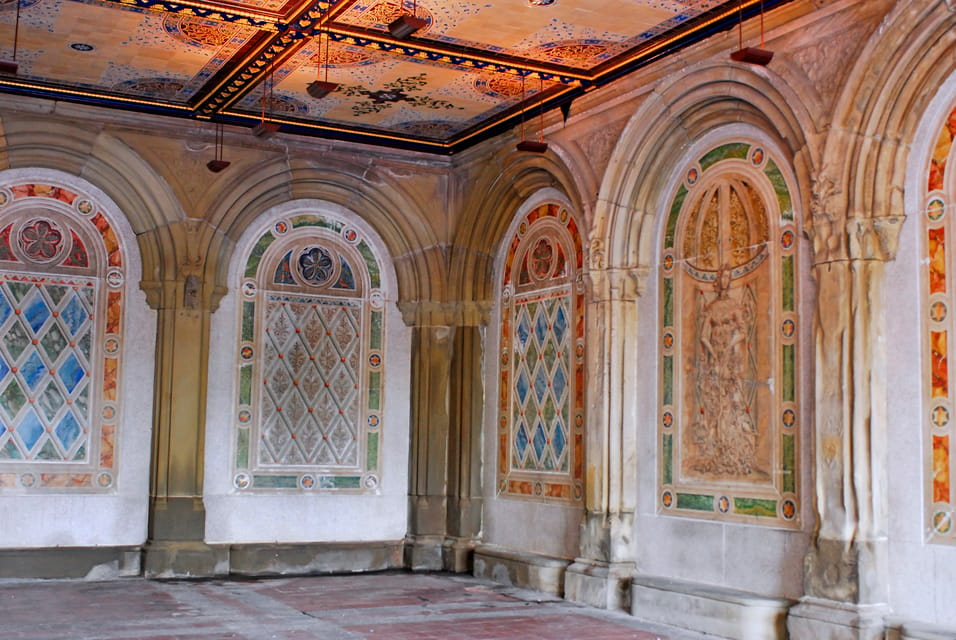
{"points": [[311, 356], [728, 430], [307, 417], [63, 278]]}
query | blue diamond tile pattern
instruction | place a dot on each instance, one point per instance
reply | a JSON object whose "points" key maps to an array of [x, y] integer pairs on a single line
{"points": [[540, 392], [44, 377]]}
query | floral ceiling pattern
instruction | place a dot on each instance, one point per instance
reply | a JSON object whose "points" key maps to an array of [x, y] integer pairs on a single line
{"points": [[472, 70]]}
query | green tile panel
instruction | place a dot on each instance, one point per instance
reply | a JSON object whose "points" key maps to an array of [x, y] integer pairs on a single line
{"points": [[738, 150], [789, 465], [668, 458], [755, 507], [255, 256], [695, 502]]}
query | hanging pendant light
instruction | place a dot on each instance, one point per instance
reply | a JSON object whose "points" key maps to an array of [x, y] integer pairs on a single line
{"points": [[10, 67], [266, 129], [218, 164], [539, 145], [406, 24], [752, 55], [318, 89]]}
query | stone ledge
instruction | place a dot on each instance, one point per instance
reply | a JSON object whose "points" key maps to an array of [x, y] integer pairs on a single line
{"points": [[93, 563], [719, 611], [897, 629], [521, 568]]}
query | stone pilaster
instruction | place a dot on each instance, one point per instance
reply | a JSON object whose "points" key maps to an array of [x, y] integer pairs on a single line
{"points": [[464, 448], [176, 515], [444, 486], [601, 575], [846, 569]]}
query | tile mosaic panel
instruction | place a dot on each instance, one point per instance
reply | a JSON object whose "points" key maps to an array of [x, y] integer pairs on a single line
{"points": [[62, 279], [729, 421], [937, 298], [541, 401], [310, 360]]}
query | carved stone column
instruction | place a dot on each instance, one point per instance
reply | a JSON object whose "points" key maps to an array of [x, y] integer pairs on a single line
{"points": [[447, 396], [601, 575], [177, 516], [846, 570]]}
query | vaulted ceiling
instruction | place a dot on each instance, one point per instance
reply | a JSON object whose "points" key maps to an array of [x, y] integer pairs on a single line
{"points": [[474, 69]]}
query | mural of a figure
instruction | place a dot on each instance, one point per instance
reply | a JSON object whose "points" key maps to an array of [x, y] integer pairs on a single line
{"points": [[724, 432]]}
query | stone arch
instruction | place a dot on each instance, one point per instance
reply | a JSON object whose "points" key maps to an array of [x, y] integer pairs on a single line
{"points": [[506, 182], [874, 122], [106, 161], [642, 166], [381, 200]]}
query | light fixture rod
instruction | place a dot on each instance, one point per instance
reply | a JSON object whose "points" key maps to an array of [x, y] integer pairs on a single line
{"points": [[761, 25], [740, 24], [540, 109], [328, 36], [16, 31]]}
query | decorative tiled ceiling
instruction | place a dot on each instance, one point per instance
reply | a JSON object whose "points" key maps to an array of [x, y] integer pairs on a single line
{"points": [[474, 69]]}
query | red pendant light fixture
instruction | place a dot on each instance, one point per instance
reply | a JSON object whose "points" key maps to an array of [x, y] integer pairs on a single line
{"points": [[406, 24], [218, 164], [751, 55], [539, 145], [10, 67], [318, 89], [266, 129]]}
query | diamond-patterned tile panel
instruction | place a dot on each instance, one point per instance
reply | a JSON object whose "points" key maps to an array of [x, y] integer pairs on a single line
{"points": [[311, 406], [44, 376], [547, 377]]}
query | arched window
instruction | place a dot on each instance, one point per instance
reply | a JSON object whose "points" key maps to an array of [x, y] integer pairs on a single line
{"points": [[938, 199], [728, 400], [541, 393], [62, 308], [311, 356]]}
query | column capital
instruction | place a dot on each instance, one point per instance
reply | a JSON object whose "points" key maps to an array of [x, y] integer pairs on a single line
{"points": [[429, 313], [618, 283], [838, 237]]}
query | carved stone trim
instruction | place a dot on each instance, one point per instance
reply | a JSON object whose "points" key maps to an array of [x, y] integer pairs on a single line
{"points": [[427, 313], [836, 237], [623, 284], [874, 238]]}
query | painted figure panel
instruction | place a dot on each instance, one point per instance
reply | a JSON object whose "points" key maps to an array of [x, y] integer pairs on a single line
{"points": [[728, 430]]}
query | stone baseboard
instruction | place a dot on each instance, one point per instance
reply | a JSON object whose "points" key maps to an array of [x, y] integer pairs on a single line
{"points": [[606, 586], [718, 611], [520, 568], [819, 619], [314, 558], [92, 563], [184, 559]]}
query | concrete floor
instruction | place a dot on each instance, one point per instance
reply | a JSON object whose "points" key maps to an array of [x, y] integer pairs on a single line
{"points": [[383, 606]]}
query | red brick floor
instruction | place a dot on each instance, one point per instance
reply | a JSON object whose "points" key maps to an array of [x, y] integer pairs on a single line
{"points": [[383, 606]]}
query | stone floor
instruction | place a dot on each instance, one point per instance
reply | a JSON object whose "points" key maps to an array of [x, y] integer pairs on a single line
{"points": [[384, 606]]}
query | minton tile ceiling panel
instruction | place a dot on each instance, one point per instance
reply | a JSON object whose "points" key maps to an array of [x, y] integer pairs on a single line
{"points": [[576, 34], [473, 70]]}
